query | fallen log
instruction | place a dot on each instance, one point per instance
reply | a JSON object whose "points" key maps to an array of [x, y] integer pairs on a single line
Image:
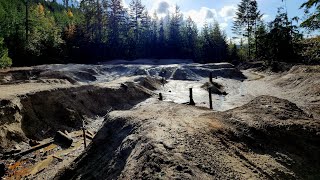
{"points": [[89, 132], [34, 148], [59, 158], [89, 136]]}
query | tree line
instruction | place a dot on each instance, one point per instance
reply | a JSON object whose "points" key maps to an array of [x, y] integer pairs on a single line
{"points": [[40, 31], [281, 39]]}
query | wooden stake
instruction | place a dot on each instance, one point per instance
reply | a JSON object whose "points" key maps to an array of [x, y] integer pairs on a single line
{"points": [[84, 137], [160, 97], [210, 98], [210, 77], [191, 98]]}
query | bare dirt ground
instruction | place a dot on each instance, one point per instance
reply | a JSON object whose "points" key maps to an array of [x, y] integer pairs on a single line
{"points": [[171, 141], [263, 125]]}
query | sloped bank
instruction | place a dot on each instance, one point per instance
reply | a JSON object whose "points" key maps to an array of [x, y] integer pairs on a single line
{"points": [[39, 115]]}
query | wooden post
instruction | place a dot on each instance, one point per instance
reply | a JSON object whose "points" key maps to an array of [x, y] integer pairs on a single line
{"points": [[163, 81], [84, 137], [210, 98], [160, 97], [210, 77], [191, 98]]}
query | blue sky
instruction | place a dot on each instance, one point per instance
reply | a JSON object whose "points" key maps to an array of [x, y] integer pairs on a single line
{"points": [[221, 10]]}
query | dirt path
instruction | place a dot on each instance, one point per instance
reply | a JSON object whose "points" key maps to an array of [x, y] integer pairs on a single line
{"points": [[14, 90]]}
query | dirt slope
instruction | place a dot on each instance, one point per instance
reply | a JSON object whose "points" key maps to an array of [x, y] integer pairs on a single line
{"points": [[166, 140]]}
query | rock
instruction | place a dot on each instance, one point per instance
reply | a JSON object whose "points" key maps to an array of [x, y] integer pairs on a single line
{"points": [[179, 168], [63, 139]]}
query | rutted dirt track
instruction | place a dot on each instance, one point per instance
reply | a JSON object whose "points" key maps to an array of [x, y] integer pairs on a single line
{"points": [[264, 127]]}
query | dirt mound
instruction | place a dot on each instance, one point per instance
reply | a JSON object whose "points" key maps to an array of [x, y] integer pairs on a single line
{"points": [[279, 109], [146, 143], [72, 77], [185, 74], [230, 73], [151, 83], [305, 69], [39, 115], [279, 128], [215, 87], [303, 80], [19, 75]]}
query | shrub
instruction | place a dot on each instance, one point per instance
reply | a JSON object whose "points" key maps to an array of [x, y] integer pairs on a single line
{"points": [[5, 60], [310, 50]]}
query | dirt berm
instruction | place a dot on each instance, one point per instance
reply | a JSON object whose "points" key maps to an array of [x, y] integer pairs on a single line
{"points": [[268, 138], [38, 115]]}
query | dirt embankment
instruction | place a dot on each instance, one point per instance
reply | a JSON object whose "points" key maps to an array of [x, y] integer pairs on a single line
{"points": [[268, 138], [303, 84], [39, 115]]}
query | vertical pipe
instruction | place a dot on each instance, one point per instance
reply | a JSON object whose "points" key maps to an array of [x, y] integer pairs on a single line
{"points": [[210, 77]]}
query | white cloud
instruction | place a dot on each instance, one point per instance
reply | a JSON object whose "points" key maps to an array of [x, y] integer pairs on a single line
{"points": [[201, 16], [163, 7], [227, 12], [265, 17]]}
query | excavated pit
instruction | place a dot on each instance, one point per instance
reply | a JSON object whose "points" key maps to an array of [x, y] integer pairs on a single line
{"points": [[250, 135], [39, 115]]}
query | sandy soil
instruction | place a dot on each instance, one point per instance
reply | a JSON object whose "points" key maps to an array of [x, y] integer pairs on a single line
{"points": [[266, 126], [167, 140]]}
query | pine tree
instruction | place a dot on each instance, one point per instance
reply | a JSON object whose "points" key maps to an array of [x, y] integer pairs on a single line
{"points": [[136, 15], [115, 29], [205, 44], [190, 38], [281, 36], [313, 20], [233, 53], [161, 40], [154, 34], [247, 16], [66, 3], [262, 41], [220, 47], [174, 31]]}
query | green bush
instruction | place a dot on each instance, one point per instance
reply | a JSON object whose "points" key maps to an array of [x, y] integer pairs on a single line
{"points": [[5, 60], [310, 50]]}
